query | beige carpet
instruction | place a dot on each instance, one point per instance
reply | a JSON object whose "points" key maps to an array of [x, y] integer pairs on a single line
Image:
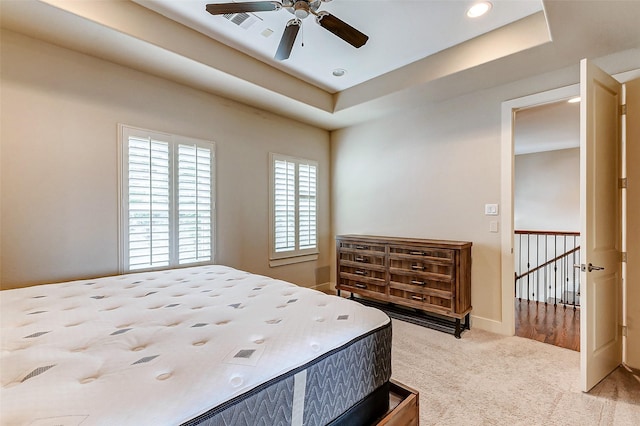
{"points": [[488, 379]]}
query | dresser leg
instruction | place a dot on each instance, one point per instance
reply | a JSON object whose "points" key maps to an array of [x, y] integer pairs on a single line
{"points": [[458, 328], [467, 321]]}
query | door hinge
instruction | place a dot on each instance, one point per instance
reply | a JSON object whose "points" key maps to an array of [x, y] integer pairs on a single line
{"points": [[623, 330], [623, 256], [622, 183], [623, 109]]}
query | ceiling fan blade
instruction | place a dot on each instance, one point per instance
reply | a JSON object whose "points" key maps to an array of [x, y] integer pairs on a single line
{"points": [[252, 6], [287, 40], [342, 29]]}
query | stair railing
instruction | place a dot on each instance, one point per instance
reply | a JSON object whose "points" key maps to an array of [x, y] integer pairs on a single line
{"points": [[544, 267]]}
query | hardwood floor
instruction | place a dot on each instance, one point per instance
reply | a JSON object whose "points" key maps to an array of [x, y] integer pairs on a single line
{"points": [[555, 325]]}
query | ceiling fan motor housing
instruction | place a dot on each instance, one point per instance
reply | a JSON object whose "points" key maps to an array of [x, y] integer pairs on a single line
{"points": [[301, 8]]}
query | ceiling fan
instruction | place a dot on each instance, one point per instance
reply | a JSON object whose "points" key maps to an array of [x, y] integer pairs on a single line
{"points": [[300, 9]]}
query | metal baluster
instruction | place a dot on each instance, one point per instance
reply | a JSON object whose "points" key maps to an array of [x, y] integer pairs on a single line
{"points": [[566, 274], [555, 271], [576, 276], [520, 264], [537, 276], [574, 281], [546, 257], [528, 266]]}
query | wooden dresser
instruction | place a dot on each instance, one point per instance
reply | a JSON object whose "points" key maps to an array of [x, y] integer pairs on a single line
{"points": [[430, 276]]}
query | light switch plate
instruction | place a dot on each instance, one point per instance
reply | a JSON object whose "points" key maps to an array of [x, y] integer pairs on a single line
{"points": [[491, 209], [493, 226]]}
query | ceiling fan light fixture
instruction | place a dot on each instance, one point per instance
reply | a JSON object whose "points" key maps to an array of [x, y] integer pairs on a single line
{"points": [[479, 9], [301, 9]]}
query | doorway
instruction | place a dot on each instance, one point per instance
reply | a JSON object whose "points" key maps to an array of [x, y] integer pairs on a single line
{"points": [[604, 301], [547, 222], [507, 228]]}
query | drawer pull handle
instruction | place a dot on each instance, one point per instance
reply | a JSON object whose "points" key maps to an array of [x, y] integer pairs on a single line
{"points": [[361, 259], [418, 253], [361, 285], [417, 298], [360, 272], [418, 267], [416, 282], [362, 247]]}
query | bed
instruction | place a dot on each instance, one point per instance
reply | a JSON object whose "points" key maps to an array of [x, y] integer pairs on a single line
{"points": [[207, 345]]}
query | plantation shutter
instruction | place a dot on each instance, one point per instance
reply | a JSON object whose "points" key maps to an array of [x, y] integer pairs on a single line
{"points": [[307, 206], [194, 204], [149, 205], [284, 206]]}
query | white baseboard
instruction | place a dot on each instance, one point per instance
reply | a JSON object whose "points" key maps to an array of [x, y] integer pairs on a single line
{"points": [[324, 287], [490, 325]]}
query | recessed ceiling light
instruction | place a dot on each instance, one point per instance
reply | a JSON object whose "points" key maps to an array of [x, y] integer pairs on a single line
{"points": [[574, 100], [339, 72], [479, 9]]}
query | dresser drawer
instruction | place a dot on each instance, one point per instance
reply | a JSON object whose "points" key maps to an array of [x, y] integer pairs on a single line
{"points": [[361, 286], [421, 300], [421, 272], [360, 258], [426, 254], [416, 282], [362, 248]]}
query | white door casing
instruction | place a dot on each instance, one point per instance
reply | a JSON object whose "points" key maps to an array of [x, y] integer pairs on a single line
{"points": [[600, 228]]}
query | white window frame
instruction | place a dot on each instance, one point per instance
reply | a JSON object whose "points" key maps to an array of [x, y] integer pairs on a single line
{"points": [[174, 141], [297, 255]]}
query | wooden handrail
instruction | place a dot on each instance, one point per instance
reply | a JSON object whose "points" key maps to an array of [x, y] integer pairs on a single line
{"points": [[573, 250], [577, 234]]}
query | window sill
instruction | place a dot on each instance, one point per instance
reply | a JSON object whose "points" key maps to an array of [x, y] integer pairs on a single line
{"points": [[291, 260]]}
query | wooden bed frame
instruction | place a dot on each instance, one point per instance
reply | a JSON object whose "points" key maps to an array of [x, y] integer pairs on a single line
{"points": [[404, 407]]}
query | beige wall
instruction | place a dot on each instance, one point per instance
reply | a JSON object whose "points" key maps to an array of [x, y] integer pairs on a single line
{"points": [[547, 191], [60, 111]]}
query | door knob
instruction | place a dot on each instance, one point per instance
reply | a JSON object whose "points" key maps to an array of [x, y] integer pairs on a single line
{"points": [[595, 268], [589, 268]]}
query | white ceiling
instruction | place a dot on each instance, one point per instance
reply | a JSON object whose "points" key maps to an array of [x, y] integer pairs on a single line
{"points": [[129, 34], [400, 32]]}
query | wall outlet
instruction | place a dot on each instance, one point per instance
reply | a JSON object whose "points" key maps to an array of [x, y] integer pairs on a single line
{"points": [[493, 226]]}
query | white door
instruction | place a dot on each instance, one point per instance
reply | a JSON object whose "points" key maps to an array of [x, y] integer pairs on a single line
{"points": [[600, 216], [632, 297]]}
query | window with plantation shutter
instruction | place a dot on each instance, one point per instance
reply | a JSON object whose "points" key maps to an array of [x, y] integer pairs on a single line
{"points": [[293, 187], [167, 200]]}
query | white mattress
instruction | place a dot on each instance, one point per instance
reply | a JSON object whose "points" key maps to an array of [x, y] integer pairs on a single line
{"points": [[159, 347]]}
